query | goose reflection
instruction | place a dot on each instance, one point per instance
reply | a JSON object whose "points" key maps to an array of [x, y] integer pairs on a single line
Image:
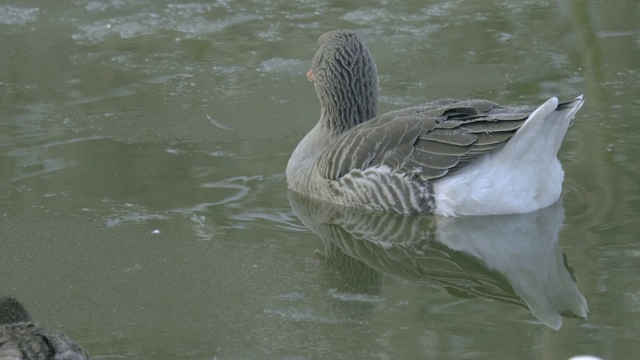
{"points": [[509, 258]]}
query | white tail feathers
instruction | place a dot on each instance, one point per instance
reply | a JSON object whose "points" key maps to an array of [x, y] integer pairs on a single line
{"points": [[546, 126], [524, 176]]}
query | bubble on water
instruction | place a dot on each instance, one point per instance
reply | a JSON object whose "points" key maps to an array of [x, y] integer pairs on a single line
{"points": [[174, 151]]}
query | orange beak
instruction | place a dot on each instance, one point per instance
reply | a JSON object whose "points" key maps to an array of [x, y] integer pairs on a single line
{"points": [[310, 75]]}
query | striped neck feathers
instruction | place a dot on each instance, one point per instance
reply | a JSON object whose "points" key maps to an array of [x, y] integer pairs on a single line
{"points": [[346, 81]]}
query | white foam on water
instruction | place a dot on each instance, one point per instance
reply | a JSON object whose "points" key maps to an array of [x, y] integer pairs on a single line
{"points": [[131, 20], [283, 65], [11, 15]]}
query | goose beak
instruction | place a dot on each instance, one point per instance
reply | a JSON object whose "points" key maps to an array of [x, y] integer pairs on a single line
{"points": [[310, 75]]}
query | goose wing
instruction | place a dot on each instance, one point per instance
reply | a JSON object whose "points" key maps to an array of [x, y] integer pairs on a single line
{"points": [[430, 140]]}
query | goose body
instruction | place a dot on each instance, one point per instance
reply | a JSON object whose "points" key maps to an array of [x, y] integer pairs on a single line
{"points": [[23, 339], [447, 157]]}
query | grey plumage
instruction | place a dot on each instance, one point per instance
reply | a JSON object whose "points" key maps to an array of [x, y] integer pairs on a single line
{"points": [[22, 339], [341, 67], [424, 138], [12, 311], [389, 162]]}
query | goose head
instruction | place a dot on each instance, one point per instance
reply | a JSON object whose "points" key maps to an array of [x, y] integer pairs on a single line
{"points": [[346, 81], [12, 311]]}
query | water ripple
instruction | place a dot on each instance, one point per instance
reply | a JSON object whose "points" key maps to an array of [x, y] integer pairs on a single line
{"points": [[189, 19], [132, 213], [11, 15]]}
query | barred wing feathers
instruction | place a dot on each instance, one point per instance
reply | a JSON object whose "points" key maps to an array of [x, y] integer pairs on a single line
{"points": [[430, 140]]}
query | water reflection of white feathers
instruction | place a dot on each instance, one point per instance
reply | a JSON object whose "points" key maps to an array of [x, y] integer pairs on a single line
{"points": [[511, 258]]}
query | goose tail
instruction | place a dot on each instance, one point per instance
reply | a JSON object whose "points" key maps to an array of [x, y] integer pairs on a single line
{"points": [[524, 176], [546, 126]]}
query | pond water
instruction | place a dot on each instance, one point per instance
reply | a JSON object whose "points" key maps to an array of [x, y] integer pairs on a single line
{"points": [[144, 209]]}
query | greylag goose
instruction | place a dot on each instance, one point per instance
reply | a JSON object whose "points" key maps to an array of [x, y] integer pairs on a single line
{"points": [[21, 338], [447, 157]]}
